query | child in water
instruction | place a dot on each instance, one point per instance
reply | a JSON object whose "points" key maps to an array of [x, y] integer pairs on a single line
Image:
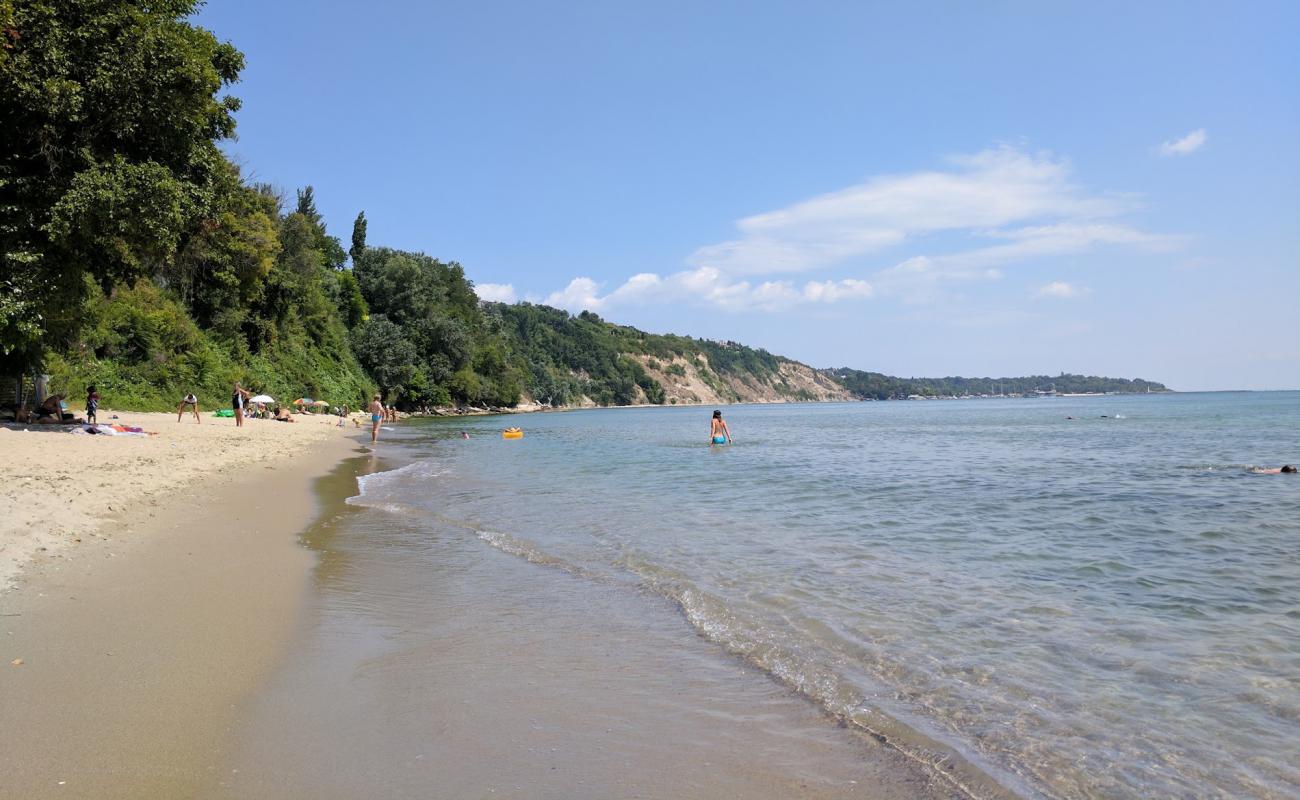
{"points": [[719, 433]]}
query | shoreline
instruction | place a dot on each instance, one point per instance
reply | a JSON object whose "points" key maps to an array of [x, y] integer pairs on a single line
{"points": [[428, 657], [123, 664], [450, 412]]}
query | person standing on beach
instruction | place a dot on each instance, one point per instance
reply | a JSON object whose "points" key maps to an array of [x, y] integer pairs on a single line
{"points": [[237, 399], [92, 405], [376, 417], [190, 401], [719, 433]]}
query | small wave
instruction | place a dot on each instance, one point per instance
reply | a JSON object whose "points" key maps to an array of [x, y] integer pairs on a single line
{"points": [[767, 650], [373, 490], [531, 553]]}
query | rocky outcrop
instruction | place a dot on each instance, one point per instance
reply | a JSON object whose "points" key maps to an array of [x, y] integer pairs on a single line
{"points": [[693, 381]]}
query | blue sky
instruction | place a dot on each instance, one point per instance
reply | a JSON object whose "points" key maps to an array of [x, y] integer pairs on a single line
{"points": [[914, 188]]}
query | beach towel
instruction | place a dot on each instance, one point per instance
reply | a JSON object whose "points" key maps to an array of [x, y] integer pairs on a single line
{"points": [[224, 412]]}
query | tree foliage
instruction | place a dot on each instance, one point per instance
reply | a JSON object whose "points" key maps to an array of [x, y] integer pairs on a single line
{"points": [[457, 354], [111, 116], [877, 386]]}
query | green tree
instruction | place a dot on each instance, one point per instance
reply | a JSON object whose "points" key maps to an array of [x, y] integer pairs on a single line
{"points": [[386, 353], [358, 237], [307, 205], [111, 116]]}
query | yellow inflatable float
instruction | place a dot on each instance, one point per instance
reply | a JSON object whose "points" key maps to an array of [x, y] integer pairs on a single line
{"points": [[512, 433]]}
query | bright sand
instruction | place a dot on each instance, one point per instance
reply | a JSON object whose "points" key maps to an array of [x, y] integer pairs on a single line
{"points": [[57, 487]]}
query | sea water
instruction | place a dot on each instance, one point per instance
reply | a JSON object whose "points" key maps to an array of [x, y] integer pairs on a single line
{"points": [[1080, 597]]}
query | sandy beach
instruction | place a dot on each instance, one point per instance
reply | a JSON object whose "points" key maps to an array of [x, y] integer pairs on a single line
{"points": [[59, 490], [125, 653]]}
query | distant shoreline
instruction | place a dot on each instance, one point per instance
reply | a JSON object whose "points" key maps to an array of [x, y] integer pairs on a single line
{"points": [[451, 411]]}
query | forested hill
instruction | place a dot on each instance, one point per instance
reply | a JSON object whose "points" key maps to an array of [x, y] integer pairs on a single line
{"points": [[875, 386], [584, 360], [135, 257]]}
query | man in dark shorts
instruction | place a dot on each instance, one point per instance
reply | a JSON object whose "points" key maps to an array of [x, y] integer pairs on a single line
{"points": [[191, 402]]}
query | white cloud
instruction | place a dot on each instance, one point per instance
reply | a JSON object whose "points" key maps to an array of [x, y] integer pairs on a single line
{"points": [[708, 287], [1185, 146], [579, 295], [918, 277], [496, 292], [994, 188], [1062, 290], [981, 214]]}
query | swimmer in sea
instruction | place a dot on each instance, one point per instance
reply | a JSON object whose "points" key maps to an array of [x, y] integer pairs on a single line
{"points": [[1284, 469], [719, 433]]}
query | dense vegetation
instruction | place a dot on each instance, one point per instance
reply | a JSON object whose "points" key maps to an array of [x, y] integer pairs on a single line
{"points": [[132, 254], [135, 256], [874, 385], [427, 341]]}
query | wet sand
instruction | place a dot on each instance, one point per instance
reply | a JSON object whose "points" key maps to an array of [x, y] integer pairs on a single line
{"points": [[135, 655], [429, 664]]}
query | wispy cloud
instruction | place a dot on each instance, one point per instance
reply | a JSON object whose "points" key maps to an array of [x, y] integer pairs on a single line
{"points": [[994, 188], [1062, 291], [496, 292], [918, 278], [706, 286], [1185, 146], [994, 209]]}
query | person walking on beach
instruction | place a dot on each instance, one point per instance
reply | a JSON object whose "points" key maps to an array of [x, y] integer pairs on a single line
{"points": [[719, 433], [237, 399], [376, 417], [190, 401], [92, 405]]}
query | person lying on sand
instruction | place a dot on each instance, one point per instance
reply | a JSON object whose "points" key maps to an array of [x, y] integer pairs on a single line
{"points": [[1285, 468], [282, 415]]}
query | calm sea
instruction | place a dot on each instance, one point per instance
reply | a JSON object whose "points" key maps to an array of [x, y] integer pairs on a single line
{"points": [[1103, 606]]}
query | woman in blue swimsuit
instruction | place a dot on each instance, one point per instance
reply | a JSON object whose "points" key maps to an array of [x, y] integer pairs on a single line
{"points": [[719, 433]]}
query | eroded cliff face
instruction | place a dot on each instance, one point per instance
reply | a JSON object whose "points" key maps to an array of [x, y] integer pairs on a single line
{"points": [[694, 382]]}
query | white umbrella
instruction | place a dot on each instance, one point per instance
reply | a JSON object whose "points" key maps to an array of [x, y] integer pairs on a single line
{"points": [[262, 398]]}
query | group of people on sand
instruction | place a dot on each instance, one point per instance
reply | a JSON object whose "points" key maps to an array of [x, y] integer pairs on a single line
{"points": [[239, 400]]}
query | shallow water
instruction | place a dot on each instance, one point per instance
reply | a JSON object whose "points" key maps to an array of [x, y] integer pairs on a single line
{"points": [[1100, 607]]}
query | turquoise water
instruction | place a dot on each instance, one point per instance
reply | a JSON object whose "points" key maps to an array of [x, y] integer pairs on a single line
{"points": [[1099, 607]]}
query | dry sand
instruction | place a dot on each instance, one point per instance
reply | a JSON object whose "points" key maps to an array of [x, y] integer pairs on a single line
{"points": [[59, 490], [122, 663]]}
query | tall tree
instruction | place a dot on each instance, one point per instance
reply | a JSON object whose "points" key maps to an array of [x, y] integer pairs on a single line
{"points": [[307, 205], [358, 237], [111, 116]]}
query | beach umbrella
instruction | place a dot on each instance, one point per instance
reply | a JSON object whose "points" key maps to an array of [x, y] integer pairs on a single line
{"points": [[262, 398], [302, 401], [320, 403]]}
